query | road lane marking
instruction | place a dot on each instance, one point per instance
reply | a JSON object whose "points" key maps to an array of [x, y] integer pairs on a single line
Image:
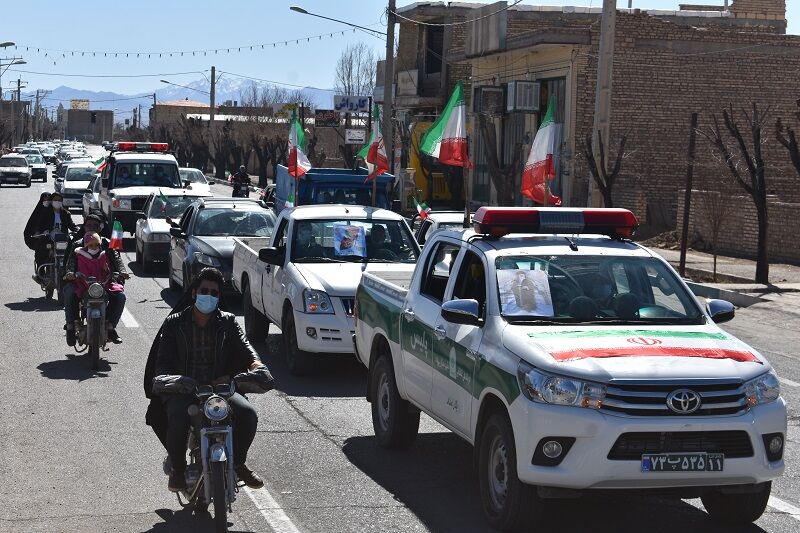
{"points": [[789, 382], [271, 511], [128, 320], [784, 507]]}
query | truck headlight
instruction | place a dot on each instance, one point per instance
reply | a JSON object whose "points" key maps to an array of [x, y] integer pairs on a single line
{"points": [[317, 302], [208, 260], [216, 408], [764, 389], [543, 387]]}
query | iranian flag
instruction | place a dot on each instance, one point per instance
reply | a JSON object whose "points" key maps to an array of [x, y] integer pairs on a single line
{"points": [[164, 201], [422, 209], [297, 161], [540, 168], [446, 139], [375, 156], [100, 163], [116, 236], [289, 201]]}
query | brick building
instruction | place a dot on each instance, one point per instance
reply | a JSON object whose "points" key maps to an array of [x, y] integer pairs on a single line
{"points": [[90, 125], [667, 64]]}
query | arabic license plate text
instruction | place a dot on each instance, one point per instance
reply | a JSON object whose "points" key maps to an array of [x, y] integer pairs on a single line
{"points": [[683, 462]]}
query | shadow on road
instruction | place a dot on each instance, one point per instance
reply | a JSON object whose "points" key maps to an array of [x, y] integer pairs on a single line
{"points": [[36, 305], [75, 367], [185, 520], [436, 480]]}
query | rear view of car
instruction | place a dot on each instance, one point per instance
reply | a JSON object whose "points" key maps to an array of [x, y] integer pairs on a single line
{"points": [[14, 170]]}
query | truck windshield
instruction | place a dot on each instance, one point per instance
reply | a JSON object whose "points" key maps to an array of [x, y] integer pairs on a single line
{"points": [[358, 195], [146, 175], [80, 173], [592, 289], [232, 222], [353, 240]]}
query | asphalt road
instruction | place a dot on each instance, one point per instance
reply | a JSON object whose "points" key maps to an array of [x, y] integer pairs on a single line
{"points": [[77, 456]]}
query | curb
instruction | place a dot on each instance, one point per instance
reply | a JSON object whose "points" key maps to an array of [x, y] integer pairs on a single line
{"points": [[736, 298], [721, 277]]}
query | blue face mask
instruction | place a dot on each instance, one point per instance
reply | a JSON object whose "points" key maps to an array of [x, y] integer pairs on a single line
{"points": [[206, 304]]}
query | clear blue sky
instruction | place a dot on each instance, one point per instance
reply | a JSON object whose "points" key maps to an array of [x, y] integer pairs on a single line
{"points": [[165, 25]]}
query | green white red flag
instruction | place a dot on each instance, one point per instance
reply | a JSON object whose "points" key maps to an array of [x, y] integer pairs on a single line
{"points": [[297, 160], [540, 169], [116, 236], [422, 209], [446, 139], [374, 152], [100, 163], [289, 201]]}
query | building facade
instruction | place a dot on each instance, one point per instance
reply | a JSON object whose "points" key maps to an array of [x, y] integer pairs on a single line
{"points": [[90, 125]]}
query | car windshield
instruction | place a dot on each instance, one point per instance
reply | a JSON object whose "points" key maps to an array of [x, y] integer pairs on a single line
{"points": [[234, 222], [353, 240], [48, 151], [34, 159], [14, 162], [343, 195], [592, 289], [80, 173], [146, 175], [173, 208], [193, 175]]}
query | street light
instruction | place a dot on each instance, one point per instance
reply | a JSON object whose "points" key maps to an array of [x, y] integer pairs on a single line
{"points": [[12, 61], [6, 44], [298, 9]]}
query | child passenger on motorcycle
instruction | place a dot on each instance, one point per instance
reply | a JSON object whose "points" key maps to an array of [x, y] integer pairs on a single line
{"points": [[91, 261]]}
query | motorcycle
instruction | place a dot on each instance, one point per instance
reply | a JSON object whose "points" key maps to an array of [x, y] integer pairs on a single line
{"points": [[240, 190], [90, 327], [210, 476], [50, 274]]}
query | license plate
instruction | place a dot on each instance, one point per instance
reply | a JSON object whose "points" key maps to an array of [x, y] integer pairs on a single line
{"points": [[683, 462], [61, 246]]}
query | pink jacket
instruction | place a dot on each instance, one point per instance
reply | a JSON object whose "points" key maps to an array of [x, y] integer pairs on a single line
{"points": [[98, 267]]}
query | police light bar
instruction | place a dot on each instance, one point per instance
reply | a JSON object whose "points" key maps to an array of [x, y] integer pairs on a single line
{"points": [[500, 221], [129, 146]]}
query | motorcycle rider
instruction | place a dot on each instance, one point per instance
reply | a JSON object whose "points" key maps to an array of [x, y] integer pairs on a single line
{"points": [[33, 220], [54, 220], [239, 180], [93, 223], [207, 345], [92, 261]]}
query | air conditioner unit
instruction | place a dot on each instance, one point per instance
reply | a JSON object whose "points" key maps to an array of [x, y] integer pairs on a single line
{"points": [[488, 100], [523, 96]]}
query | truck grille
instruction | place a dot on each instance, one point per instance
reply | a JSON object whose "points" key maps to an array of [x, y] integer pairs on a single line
{"points": [[631, 446], [650, 398], [348, 304]]}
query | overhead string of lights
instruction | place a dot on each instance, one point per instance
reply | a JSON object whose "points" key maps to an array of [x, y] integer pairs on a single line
{"points": [[54, 52]]}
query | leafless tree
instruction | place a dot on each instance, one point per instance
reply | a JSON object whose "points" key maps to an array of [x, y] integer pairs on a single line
{"points": [[788, 139], [354, 75], [742, 156], [716, 206], [603, 177], [502, 177]]}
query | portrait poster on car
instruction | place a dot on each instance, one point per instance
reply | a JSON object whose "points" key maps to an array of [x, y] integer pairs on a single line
{"points": [[349, 240], [524, 292]]}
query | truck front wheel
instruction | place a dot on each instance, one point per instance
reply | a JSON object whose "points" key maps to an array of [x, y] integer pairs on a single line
{"points": [[509, 504], [256, 324], [298, 361], [737, 508], [395, 421]]}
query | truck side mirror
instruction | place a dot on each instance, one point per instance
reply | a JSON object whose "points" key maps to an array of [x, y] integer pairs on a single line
{"points": [[466, 311], [271, 256], [720, 310]]}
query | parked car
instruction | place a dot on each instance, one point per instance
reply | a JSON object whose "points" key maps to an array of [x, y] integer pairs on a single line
{"points": [[14, 170], [152, 227], [204, 236], [197, 180]]}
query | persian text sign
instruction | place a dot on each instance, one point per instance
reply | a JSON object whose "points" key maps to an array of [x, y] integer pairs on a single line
{"points": [[351, 103]]}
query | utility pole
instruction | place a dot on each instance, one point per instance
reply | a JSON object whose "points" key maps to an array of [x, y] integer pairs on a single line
{"points": [[213, 93], [602, 99], [388, 93], [153, 120], [139, 116]]}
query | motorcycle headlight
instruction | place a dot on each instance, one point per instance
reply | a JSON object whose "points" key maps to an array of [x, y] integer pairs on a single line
{"points": [[543, 387], [317, 302], [216, 408], [208, 260], [96, 290], [764, 389]]}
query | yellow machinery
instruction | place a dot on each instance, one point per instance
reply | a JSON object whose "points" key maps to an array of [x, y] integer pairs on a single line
{"points": [[440, 192]]}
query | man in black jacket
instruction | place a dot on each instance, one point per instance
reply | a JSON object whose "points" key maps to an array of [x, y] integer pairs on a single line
{"points": [[207, 345], [241, 182]]}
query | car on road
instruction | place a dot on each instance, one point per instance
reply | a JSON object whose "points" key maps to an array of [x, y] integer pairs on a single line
{"points": [[424, 227], [304, 277], [196, 180], [91, 197], [74, 183], [38, 167], [204, 236], [14, 169], [152, 229], [573, 360]]}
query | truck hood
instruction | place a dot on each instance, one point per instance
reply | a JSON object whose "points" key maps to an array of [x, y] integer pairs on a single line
{"points": [[157, 225], [342, 279], [635, 352]]}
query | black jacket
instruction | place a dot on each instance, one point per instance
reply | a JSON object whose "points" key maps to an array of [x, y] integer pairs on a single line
{"points": [[233, 353], [32, 225], [241, 178], [47, 218]]}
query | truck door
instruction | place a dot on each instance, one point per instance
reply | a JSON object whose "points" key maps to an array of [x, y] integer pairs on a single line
{"points": [[456, 355], [421, 318], [271, 290]]}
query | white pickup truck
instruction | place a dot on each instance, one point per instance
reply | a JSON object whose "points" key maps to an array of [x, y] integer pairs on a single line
{"points": [[572, 359], [304, 277]]}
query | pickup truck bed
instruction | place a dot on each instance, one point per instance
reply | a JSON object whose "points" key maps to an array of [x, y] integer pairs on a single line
{"points": [[246, 259]]}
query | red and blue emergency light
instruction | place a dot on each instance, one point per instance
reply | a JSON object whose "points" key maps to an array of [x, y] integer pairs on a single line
{"points": [[500, 221], [130, 146]]}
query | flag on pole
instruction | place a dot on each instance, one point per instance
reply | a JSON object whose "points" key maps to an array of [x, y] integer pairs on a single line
{"points": [[98, 161], [116, 236], [164, 201], [446, 139], [540, 168], [297, 161], [289, 201], [422, 209], [101, 163], [377, 162]]}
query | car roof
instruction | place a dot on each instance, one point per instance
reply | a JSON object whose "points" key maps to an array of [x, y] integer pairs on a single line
{"points": [[144, 157], [190, 168], [13, 156], [227, 201], [310, 212]]}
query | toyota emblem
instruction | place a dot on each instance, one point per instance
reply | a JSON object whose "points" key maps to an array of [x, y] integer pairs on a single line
{"points": [[683, 401]]}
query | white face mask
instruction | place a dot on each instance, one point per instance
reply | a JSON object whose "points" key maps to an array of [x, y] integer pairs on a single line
{"points": [[56, 204], [46, 203]]}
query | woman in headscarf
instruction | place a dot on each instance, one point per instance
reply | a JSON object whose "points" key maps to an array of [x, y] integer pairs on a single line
{"points": [[33, 221]]}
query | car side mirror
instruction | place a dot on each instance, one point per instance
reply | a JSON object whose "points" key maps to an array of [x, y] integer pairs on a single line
{"points": [[141, 216], [466, 311], [271, 256], [177, 233], [104, 183], [720, 310]]}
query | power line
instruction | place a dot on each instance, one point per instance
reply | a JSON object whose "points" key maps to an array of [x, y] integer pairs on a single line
{"points": [[459, 23], [108, 75], [272, 81]]}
